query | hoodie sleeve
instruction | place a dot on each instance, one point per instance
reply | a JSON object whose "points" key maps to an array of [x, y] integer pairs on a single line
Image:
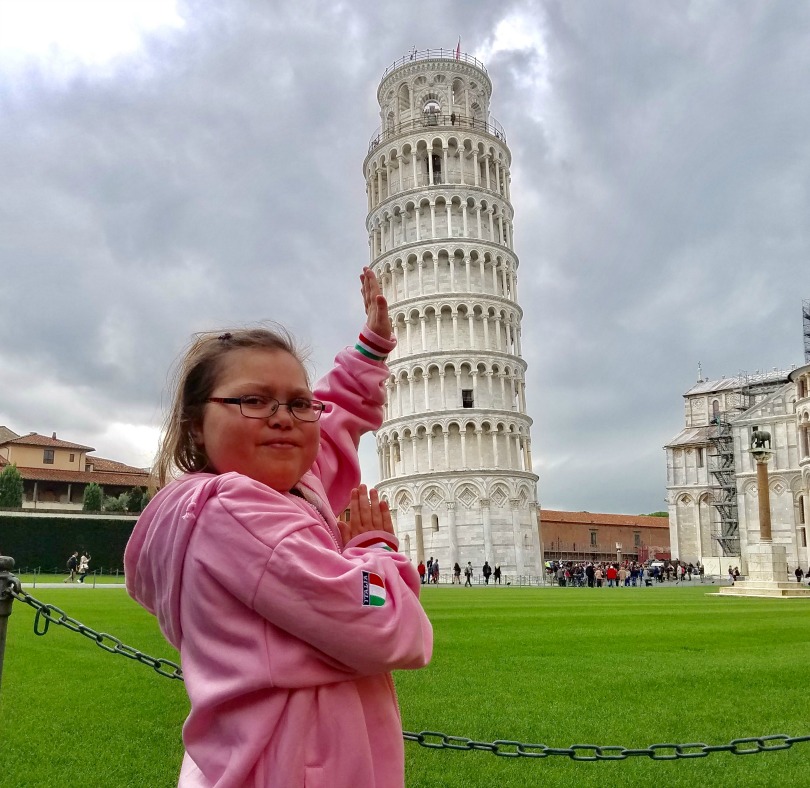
{"points": [[354, 392], [360, 608]]}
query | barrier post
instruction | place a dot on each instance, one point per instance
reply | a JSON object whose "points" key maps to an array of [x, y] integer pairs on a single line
{"points": [[7, 582]]}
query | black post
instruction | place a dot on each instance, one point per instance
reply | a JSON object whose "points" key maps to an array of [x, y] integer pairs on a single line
{"points": [[7, 582]]}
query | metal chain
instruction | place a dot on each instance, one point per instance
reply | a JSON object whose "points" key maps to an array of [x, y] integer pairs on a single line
{"points": [[433, 740], [593, 752], [50, 614]]}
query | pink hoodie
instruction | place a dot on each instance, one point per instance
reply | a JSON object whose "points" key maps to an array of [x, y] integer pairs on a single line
{"points": [[286, 636]]}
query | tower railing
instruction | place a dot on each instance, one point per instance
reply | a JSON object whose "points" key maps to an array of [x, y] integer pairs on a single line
{"points": [[438, 120], [434, 54]]}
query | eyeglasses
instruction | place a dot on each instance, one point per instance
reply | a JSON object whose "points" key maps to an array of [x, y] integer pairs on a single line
{"points": [[255, 406]]}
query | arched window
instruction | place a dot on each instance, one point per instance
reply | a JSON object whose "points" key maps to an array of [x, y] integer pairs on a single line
{"points": [[431, 112], [434, 522]]}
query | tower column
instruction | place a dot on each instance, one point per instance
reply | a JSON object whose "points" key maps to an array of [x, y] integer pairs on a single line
{"points": [[452, 536], [487, 528]]}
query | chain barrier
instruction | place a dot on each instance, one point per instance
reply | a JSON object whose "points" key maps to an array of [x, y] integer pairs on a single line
{"points": [[593, 752], [433, 740], [50, 614]]}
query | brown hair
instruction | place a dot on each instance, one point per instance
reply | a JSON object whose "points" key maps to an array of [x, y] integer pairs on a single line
{"points": [[195, 376]]}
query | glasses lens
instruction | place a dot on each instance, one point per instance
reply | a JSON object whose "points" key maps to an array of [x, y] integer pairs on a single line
{"points": [[306, 409], [255, 407]]}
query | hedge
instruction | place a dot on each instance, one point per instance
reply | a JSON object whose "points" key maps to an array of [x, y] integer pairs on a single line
{"points": [[47, 542]]}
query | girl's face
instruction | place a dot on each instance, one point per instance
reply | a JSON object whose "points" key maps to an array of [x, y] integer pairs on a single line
{"points": [[276, 451]]}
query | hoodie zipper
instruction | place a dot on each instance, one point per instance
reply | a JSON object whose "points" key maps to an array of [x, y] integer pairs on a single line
{"points": [[314, 508]]}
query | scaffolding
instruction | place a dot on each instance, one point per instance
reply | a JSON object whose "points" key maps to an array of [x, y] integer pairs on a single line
{"points": [[723, 471], [806, 329]]}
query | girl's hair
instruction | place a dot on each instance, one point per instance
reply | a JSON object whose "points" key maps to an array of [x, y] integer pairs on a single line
{"points": [[195, 376]]}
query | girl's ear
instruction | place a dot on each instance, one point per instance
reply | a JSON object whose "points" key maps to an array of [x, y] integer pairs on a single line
{"points": [[197, 435]]}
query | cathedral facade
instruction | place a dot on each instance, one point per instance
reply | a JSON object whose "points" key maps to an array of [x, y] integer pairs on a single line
{"points": [[712, 477], [455, 448]]}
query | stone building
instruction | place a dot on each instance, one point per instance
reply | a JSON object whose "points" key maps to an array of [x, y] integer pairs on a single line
{"points": [[711, 476], [55, 472], [455, 448], [592, 536]]}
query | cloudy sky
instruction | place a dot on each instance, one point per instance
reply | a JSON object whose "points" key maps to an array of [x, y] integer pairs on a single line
{"points": [[168, 167]]}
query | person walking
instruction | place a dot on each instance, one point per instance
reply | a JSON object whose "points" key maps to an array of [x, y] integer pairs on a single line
{"points": [[496, 575], [422, 571], [486, 571], [72, 566], [84, 566], [456, 573], [468, 570]]}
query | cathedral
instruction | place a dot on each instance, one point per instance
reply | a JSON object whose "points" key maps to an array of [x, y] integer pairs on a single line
{"points": [[712, 476], [454, 450]]}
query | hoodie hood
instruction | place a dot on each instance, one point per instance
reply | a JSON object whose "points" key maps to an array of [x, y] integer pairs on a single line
{"points": [[154, 556], [156, 551]]}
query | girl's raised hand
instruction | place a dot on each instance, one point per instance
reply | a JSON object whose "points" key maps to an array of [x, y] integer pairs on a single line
{"points": [[366, 513], [375, 304]]}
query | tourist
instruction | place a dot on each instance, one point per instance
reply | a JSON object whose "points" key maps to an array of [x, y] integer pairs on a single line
{"points": [[468, 571], [84, 566], [72, 566], [486, 571], [288, 622]]}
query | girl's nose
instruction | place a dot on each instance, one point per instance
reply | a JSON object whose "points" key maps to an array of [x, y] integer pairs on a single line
{"points": [[281, 418]]}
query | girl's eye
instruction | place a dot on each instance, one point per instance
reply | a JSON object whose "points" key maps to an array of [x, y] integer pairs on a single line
{"points": [[254, 401], [301, 404]]}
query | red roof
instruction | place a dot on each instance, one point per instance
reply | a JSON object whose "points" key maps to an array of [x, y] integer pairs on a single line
{"points": [[136, 479], [591, 518], [100, 464], [33, 439]]}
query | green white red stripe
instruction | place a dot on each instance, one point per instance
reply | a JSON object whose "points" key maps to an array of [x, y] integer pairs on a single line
{"points": [[375, 543], [371, 349], [374, 593]]}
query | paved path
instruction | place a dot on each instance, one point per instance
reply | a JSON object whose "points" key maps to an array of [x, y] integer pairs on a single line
{"points": [[73, 585]]}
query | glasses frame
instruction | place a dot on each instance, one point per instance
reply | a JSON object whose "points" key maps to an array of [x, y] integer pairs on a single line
{"points": [[319, 407]]}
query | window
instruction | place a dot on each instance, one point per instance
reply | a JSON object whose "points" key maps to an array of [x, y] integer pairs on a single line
{"points": [[801, 509], [437, 168], [47, 457], [434, 522], [466, 398], [593, 538], [637, 538], [802, 537], [72, 457], [700, 459]]}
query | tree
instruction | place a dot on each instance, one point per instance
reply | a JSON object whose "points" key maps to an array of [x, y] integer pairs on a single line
{"points": [[91, 502], [116, 504], [11, 488], [136, 499]]}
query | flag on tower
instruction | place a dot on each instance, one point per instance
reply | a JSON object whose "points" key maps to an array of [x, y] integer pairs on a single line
{"points": [[458, 49]]}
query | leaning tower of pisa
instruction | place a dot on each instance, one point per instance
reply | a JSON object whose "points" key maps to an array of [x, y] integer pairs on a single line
{"points": [[454, 449]]}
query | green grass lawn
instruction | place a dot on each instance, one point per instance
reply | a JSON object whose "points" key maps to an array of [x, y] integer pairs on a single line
{"points": [[627, 667]]}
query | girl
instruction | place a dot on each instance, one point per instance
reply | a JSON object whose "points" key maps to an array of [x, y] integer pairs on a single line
{"points": [[287, 623]]}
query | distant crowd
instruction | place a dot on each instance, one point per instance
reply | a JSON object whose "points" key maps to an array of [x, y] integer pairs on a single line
{"points": [[625, 573], [429, 572]]}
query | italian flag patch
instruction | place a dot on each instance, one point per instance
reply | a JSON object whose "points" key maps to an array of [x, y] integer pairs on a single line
{"points": [[373, 590]]}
